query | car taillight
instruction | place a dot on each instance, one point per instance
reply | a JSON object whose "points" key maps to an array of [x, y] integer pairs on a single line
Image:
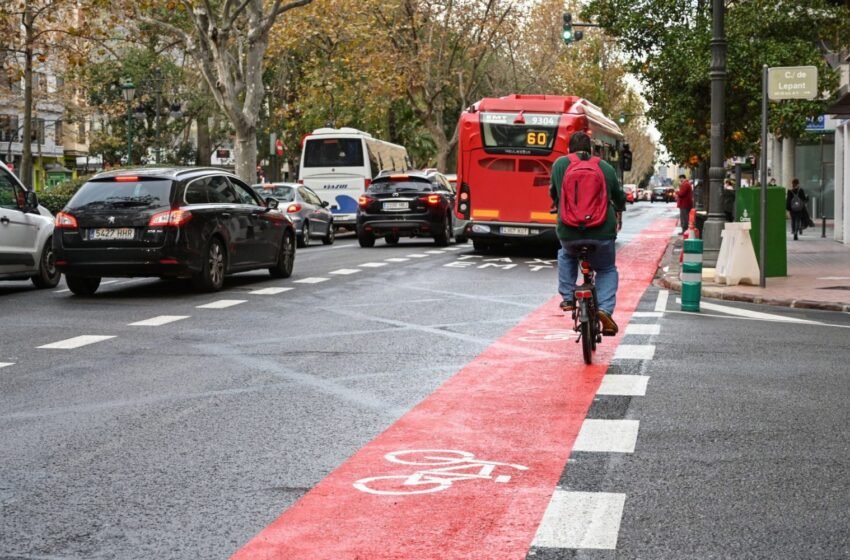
{"points": [[65, 221], [170, 218], [432, 199], [365, 201], [366, 183], [292, 208]]}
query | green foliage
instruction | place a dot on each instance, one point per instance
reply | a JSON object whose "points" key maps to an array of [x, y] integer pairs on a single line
{"points": [[668, 45], [55, 198]]}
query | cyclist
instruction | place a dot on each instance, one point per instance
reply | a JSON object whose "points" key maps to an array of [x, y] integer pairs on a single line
{"points": [[602, 238]]}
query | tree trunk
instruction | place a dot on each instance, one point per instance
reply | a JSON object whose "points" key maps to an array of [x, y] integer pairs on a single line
{"points": [[246, 154], [204, 154], [26, 141]]}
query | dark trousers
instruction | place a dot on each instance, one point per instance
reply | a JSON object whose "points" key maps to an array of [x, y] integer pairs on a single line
{"points": [[797, 222], [684, 216]]}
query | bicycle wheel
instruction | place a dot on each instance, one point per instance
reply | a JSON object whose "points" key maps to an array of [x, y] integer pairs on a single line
{"points": [[586, 334]]}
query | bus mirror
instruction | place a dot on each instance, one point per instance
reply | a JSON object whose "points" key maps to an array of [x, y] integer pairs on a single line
{"points": [[627, 160]]}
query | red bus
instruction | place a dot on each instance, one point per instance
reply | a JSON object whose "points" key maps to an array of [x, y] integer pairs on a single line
{"points": [[506, 148]]}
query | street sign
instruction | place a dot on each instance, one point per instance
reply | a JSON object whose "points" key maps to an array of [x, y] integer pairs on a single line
{"points": [[792, 82], [821, 124]]}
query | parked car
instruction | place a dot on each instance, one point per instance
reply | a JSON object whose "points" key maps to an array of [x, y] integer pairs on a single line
{"points": [[410, 204], [309, 213], [26, 235], [198, 223], [631, 191]]}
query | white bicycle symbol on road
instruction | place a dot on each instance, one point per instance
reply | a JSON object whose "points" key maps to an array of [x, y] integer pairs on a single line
{"points": [[453, 466]]}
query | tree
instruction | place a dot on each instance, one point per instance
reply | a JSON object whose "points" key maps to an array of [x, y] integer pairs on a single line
{"points": [[667, 43], [228, 41]]}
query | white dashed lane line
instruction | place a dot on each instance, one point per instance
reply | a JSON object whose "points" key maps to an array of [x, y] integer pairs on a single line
{"points": [[76, 342], [435, 252], [635, 352], [397, 260], [417, 255], [607, 436], [638, 328], [159, 321], [372, 264], [453, 248], [269, 291], [221, 304], [577, 520], [624, 385], [661, 302], [6, 364], [648, 314], [346, 271], [313, 280]]}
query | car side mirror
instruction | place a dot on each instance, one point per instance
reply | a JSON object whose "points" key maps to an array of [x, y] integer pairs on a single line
{"points": [[325, 204], [31, 201], [272, 203]]}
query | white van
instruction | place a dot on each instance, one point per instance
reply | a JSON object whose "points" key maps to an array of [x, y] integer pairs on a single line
{"points": [[339, 165]]}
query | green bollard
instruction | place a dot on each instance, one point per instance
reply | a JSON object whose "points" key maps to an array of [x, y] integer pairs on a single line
{"points": [[691, 274]]}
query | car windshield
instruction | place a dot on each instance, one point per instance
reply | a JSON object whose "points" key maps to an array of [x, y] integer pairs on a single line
{"points": [[400, 186], [133, 193], [280, 192]]}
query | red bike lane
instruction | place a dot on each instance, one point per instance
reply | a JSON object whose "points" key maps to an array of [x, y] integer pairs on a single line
{"points": [[520, 403]]}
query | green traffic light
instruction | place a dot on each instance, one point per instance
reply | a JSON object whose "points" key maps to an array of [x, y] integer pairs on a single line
{"points": [[568, 35]]}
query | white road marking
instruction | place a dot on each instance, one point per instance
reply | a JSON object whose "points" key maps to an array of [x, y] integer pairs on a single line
{"points": [[417, 256], [435, 252], [6, 364], [159, 321], [269, 291], [624, 385], [397, 259], [635, 352], [661, 302], [337, 246], [452, 248], [346, 271], [76, 342], [834, 278], [577, 520], [738, 312], [640, 328], [313, 280], [373, 264], [61, 291], [221, 304], [647, 314], [607, 436]]}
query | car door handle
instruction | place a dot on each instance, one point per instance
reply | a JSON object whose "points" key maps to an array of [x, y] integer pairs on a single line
{"points": [[4, 220]]}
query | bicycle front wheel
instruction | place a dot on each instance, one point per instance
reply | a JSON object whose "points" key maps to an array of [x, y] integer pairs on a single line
{"points": [[587, 335]]}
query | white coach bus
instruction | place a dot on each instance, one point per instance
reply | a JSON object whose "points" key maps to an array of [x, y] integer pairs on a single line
{"points": [[340, 163]]}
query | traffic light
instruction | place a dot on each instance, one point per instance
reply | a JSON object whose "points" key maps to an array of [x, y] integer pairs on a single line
{"points": [[622, 118], [567, 33]]}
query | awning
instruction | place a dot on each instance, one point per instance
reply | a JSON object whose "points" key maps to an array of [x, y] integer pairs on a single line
{"points": [[841, 105]]}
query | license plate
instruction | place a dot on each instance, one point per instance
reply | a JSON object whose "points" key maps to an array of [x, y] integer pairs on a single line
{"points": [[108, 234], [514, 230], [396, 206]]}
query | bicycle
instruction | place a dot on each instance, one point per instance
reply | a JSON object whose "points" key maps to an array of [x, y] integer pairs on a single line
{"points": [[585, 317]]}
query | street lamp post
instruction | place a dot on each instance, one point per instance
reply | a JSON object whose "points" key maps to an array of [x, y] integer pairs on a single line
{"points": [[717, 171], [128, 90]]}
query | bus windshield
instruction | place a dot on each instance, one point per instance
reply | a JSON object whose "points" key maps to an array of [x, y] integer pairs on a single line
{"points": [[519, 131], [333, 152]]}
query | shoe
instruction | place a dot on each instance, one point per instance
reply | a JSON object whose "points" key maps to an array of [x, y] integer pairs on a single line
{"points": [[568, 305], [795, 237], [609, 327]]}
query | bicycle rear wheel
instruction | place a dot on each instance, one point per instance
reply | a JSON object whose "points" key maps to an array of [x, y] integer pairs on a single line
{"points": [[587, 336]]}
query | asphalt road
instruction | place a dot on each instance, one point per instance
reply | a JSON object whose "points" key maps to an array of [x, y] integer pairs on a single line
{"points": [[186, 438]]}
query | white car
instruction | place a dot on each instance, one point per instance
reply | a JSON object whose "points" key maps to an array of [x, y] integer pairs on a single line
{"points": [[26, 235]]}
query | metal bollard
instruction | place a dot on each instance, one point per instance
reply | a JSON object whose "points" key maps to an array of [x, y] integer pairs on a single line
{"points": [[823, 225], [691, 274]]}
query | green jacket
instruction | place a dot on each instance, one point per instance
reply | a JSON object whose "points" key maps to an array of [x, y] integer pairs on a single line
{"points": [[616, 201]]}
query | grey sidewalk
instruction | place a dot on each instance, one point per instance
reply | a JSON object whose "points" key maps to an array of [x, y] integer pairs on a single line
{"points": [[818, 275]]}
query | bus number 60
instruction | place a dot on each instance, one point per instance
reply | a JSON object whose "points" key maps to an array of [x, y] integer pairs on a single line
{"points": [[536, 139]]}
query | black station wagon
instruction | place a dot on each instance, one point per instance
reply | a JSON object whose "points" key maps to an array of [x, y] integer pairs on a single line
{"points": [[197, 223]]}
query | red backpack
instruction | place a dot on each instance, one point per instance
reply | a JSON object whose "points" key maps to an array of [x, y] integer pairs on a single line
{"points": [[584, 194]]}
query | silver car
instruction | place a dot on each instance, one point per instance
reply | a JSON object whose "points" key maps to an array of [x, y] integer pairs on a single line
{"points": [[26, 235], [310, 214]]}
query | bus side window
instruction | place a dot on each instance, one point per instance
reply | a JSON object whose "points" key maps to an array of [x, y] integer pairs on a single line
{"points": [[374, 163]]}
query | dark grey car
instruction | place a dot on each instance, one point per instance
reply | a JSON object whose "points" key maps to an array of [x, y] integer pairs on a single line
{"points": [[310, 214]]}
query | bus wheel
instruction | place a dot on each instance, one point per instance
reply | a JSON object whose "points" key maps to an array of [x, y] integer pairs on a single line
{"points": [[365, 239]]}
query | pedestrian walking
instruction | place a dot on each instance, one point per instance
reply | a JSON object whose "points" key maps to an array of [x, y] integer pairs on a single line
{"points": [[684, 201], [728, 200], [795, 203]]}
